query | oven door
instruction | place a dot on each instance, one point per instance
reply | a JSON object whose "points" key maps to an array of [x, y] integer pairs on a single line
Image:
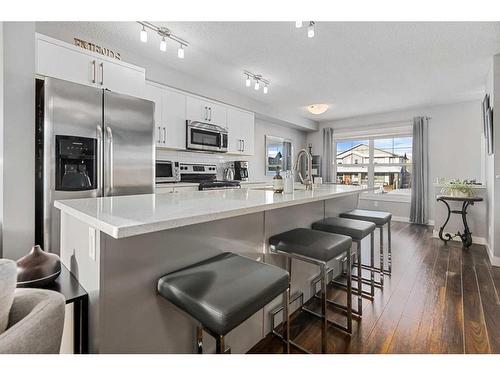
{"points": [[165, 171], [206, 137]]}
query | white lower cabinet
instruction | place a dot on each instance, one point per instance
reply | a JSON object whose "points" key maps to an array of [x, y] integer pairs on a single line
{"points": [[241, 132], [172, 189]]}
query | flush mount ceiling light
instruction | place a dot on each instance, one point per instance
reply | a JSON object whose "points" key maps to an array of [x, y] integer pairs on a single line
{"points": [[165, 33], [258, 80], [317, 109]]}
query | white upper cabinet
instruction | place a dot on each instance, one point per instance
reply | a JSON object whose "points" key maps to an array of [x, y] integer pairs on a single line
{"points": [[64, 61], [201, 110], [155, 94], [241, 131], [174, 118]]}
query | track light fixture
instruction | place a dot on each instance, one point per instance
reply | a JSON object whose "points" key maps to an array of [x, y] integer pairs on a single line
{"points": [[165, 33], [258, 80], [311, 32]]}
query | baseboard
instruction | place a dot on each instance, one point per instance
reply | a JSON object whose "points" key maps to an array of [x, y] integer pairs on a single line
{"points": [[495, 261], [403, 219], [476, 240]]}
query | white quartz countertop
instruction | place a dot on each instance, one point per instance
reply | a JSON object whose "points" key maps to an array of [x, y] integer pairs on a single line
{"points": [[125, 216]]}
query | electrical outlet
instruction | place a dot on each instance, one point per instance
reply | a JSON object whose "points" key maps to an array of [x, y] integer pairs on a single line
{"points": [[92, 245]]}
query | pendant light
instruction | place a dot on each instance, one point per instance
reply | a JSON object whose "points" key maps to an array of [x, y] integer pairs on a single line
{"points": [[310, 30], [247, 81], [144, 34], [163, 45], [298, 24], [180, 52]]}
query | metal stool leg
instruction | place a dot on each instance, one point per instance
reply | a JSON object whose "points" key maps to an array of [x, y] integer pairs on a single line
{"points": [[286, 320], [324, 320], [220, 346], [372, 264], [349, 293], [389, 250], [199, 339], [381, 255], [360, 280]]}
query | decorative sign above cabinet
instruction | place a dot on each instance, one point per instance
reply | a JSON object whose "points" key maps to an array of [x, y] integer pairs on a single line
{"points": [[96, 48]]}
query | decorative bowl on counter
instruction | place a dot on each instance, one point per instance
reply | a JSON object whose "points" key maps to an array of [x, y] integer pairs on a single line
{"points": [[37, 269]]}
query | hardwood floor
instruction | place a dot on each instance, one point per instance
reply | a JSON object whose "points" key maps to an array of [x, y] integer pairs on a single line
{"points": [[439, 299]]}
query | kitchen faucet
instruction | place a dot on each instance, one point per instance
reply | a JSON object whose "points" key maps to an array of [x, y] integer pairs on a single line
{"points": [[308, 180]]}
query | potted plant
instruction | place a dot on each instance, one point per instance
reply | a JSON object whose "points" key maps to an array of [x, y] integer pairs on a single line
{"points": [[458, 189]]}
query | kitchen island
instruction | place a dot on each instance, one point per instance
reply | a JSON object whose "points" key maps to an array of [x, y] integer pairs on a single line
{"points": [[119, 246]]}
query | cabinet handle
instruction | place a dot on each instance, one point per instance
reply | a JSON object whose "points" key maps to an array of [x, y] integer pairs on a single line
{"points": [[93, 72], [102, 74], [164, 134], [159, 134], [206, 113], [243, 144], [210, 111]]}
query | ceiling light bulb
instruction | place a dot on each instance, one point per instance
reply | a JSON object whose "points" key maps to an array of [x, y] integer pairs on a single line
{"points": [[180, 52], [266, 89], [248, 82], [257, 85], [163, 45], [310, 30], [298, 24], [144, 35]]}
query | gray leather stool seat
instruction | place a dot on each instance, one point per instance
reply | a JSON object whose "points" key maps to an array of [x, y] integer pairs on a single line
{"points": [[223, 291], [312, 244], [356, 229], [376, 217]]}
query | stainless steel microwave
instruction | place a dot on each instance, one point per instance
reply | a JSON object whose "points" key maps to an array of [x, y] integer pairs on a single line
{"points": [[205, 137], [167, 171]]}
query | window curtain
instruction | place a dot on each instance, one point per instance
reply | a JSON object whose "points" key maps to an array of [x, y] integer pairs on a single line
{"points": [[328, 155], [419, 196]]}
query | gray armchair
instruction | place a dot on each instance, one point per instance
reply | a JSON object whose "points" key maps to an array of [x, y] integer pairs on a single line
{"points": [[31, 320]]}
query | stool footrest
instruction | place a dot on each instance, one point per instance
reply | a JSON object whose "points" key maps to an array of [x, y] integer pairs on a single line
{"points": [[364, 293], [376, 269], [334, 324], [340, 306]]}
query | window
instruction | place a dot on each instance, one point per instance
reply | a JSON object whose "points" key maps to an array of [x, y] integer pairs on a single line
{"points": [[384, 163]]}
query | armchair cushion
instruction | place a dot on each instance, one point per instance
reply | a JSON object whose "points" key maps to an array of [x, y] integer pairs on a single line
{"points": [[8, 278], [36, 322]]}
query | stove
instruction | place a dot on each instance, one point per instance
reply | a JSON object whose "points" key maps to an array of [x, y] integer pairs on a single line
{"points": [[218, 185], [205, 175]]}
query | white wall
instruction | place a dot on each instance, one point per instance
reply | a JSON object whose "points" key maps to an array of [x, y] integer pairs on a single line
{"points": [[256, 162], [455, 148], [492, 165], [1, 137], [18, 138]]}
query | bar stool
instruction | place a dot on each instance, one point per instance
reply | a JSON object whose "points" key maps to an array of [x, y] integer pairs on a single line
{"points": [[379, 218], [223, 291], [317, 248], [357, 230]]}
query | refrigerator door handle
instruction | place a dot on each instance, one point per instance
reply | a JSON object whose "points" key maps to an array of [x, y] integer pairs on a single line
{"points": [[110, 172], [99, 159]]}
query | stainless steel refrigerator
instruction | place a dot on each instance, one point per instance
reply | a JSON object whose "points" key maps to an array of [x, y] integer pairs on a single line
{"points": [[89, 143]]}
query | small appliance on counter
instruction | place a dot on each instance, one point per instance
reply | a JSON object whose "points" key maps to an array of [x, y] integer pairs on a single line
{"points": [[167, 171], [241, 170], [228, 174]]}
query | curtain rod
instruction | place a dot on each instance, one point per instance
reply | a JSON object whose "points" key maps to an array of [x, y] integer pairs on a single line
{"points": [[369, 125]]}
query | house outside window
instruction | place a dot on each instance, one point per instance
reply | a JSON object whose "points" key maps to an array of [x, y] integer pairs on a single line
{"points": [[381, 162]]}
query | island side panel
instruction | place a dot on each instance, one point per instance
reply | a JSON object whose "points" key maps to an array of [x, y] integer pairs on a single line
{"points": [[135, 319], [76, 257]]}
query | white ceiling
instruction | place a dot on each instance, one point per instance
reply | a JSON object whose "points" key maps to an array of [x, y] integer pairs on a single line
{"points": [[357, 67]]}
